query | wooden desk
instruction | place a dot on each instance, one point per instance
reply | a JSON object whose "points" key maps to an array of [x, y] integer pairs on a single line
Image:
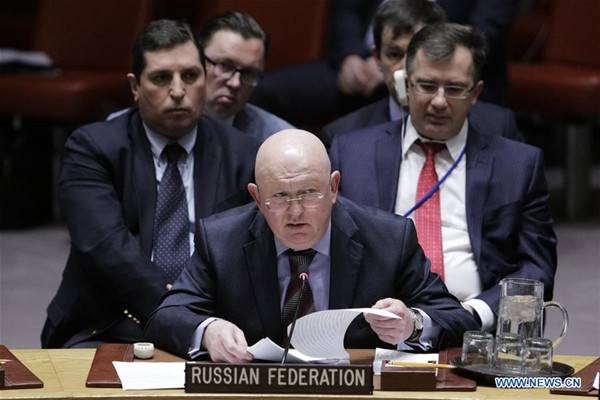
{"points": [[64, 372]]}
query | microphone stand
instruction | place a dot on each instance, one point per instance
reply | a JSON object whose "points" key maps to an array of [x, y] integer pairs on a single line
{"points": [[303, 274]]}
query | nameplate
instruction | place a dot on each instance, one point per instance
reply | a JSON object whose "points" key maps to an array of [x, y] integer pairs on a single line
{"points": [[278, 378]]}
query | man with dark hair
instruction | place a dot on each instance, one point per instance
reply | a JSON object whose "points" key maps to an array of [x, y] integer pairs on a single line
{"points": [[480, 202], [133, 189], [394, 23], [240, 290], [236, 48]]}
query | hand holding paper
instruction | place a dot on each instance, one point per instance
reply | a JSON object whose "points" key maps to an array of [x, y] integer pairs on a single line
{"points": [[391, 330]]}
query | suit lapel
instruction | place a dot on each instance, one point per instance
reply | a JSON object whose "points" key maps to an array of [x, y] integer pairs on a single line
{"points": [[346, 256], [207, 163], [388, 150], [262, 265], [144, 181], [479, 169]]}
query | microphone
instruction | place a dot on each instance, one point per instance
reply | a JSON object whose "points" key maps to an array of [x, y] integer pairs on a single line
{"points": [[303, 276]]}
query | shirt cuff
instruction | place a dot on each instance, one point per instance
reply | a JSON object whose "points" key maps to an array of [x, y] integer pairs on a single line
{"points": [[488, 319], [196, 342], [429, 336]]}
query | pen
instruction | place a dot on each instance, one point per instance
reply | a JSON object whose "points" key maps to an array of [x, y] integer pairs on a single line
{"points": [[418, 364]]}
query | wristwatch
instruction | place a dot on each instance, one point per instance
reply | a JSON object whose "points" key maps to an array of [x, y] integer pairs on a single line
{"points": [[418, 325]]}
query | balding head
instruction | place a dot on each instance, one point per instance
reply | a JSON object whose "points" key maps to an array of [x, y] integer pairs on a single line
{"points": [[290, 151], [293, 164]]}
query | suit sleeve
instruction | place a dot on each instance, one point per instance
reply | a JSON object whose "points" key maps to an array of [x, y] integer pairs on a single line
{"points": [[534, 241], [349, 22], [94, 216]]}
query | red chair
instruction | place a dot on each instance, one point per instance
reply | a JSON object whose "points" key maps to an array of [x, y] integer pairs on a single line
{"points": [[90, 41], [565, 85]]}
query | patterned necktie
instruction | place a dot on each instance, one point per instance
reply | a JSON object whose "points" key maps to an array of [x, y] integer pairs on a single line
{"points": [[292, 295], [427, 217], [171, 226]]}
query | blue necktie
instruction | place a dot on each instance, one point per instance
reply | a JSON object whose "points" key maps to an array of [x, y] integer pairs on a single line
{"points": [[171, 226]]}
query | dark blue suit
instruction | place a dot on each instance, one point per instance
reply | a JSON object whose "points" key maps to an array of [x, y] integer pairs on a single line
{"points": [[510, 226], [233, 276], [485, 117], [108, 197]]}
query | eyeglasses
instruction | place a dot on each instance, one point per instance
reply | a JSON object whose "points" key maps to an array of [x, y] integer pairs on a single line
{"points": [[282, 203], [248, 76], [450, 91]]}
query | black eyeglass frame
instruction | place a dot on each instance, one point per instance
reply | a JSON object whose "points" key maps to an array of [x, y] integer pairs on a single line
{"points": [[245, 73]]}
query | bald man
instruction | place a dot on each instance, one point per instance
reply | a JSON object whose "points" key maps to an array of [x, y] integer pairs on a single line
{"points": [[234, 291]]}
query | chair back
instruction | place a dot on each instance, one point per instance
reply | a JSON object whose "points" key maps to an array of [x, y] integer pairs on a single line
{"points": [[90, 34], [574, 31]]}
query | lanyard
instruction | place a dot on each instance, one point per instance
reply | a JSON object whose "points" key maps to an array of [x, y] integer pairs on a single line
{"points": [[437, 185]]}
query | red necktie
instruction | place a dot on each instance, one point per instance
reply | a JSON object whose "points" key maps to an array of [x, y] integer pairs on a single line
{"points": [[427, 217]]}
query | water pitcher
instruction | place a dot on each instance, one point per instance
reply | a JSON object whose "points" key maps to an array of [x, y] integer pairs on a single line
{"points": [[521, 309]]}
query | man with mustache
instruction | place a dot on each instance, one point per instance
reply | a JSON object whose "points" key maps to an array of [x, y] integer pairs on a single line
{"points": [[480, 201], [132, 190]]}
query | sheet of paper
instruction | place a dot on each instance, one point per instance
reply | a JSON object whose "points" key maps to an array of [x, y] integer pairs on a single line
{"points": [[397, 355], [321, 334], [151, 375], [596, 381], [266, 349]]}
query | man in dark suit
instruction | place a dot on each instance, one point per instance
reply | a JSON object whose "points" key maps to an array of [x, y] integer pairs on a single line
{"points": [[112, 179], [493, 217], [394, 23], [234, 291]]}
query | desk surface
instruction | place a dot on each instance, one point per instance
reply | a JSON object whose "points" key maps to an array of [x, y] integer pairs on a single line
{"points": [[64, 372]]}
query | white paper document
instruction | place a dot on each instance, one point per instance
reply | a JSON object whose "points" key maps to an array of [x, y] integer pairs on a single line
{"points": [[596, 381], [151, 375], [397, 355], [321, 334], [266, 349]]}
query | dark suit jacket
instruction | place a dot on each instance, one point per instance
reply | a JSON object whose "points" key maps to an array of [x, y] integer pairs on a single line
{"points": [[233, 276], [485, 117], [108, 197], [510, 226]]}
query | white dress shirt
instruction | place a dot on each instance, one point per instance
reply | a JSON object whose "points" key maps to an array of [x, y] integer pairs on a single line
{"points": [[460, 270]]}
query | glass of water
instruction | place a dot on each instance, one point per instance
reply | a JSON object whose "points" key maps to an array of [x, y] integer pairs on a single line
{"points": [[477, 348], [508, 356], [537, 356]]}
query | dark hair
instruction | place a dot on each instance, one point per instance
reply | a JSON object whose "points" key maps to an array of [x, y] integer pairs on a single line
{"points": [[161, 34], [235, 21], [439, 42], [404, 16]]}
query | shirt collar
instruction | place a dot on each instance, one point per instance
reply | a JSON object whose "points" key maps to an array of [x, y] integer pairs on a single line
{"points": [[396, 112], [322, 246], [158, 142], [454, 145]]}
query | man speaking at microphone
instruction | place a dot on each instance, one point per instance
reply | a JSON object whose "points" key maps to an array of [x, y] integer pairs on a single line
{"points": [[241, 284]]}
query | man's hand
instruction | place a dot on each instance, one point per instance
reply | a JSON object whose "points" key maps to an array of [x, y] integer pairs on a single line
{"points": [[225, 342], [358, 76], [392, 330]]}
